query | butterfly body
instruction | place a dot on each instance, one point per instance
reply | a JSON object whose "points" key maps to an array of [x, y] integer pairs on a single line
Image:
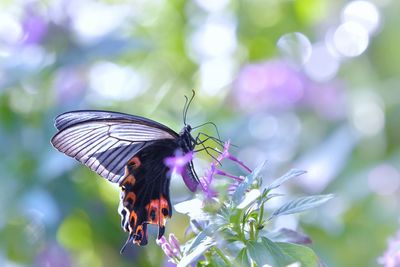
{"points": [[128, 150]]}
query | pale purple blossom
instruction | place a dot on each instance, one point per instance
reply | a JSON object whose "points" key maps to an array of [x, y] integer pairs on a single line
{"points": [[391, 257], [209, 174], [171, 249], [225, 154], [176, 247], [179, 164], [162, 240], [206, 180]]}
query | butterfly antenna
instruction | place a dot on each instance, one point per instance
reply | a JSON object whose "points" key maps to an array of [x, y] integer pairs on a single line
{"points": [[184, 110], [186, 107]]}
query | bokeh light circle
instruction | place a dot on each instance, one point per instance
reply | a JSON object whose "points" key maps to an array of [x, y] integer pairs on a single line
{"points": [[295, 47], [363, 12], [322, 65], [384, 179], [351, 39]]}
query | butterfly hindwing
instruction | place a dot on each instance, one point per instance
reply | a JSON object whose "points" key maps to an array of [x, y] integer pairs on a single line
{"points": [[145, 191]]}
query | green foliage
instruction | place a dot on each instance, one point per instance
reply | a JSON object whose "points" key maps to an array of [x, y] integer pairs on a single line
{"points": [[233, 233]]}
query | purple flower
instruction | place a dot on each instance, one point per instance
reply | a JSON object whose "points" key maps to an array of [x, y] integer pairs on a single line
{"points": [[162, 240], [209, 174], [226, 154], [176, 247], [171, 249], [206, 180], [179, 164], [391, 257]]}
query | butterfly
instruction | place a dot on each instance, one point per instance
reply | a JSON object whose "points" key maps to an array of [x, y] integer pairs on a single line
{"points": [[129, 150]]}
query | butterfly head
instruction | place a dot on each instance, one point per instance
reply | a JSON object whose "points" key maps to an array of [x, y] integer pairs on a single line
{"points": [[186, 140]]}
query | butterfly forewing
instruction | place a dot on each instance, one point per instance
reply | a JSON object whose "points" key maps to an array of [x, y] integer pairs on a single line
{"points": [[74, 117], [106, 141]]}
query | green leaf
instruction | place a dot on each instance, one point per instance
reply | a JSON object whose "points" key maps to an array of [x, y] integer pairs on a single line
{"points": [[267, 252], [195, 242], [288, 236], [241, 189], [305, 255], [200, 244], [287, 176], [249, 198], [242, 259], [301, 204]]}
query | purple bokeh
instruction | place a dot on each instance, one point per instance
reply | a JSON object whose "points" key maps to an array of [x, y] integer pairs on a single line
{"points": [[277, 85], [35, 27], [69, 85], [53, 255], [270, 84]]}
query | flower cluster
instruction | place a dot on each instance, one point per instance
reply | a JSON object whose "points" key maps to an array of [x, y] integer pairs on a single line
{"points": [[231, 229], [209, 174], [178, 164]]}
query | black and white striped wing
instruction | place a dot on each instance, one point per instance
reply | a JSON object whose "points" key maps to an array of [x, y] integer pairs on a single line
{"points": [[106, 141]]}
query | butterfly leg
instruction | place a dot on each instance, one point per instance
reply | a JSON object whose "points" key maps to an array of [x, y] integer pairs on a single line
{"points": [[198, 141]]}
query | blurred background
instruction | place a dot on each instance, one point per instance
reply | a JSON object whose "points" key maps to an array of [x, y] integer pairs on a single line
{"points": [[309, 84]]}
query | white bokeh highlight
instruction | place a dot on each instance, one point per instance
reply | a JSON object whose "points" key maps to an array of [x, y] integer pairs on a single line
{"points": [[364, 13], [215, 74], [214, 38], [93, 20], [350, 39], [384, 179], [10, 28], [367, 113], [212, 5], [322, 65], [295, 47], [111, 81]]}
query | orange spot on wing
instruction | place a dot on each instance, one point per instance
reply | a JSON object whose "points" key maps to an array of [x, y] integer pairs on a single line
{"points": [[132, 221], [140, 235], [158, 211], [129, 180], [129, 199], [165, 209], [135, 162], [153, 211]]}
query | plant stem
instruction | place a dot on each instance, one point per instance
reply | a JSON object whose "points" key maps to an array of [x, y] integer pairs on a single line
{"points": [[260, 219], [222, 255], [252, 234]]}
